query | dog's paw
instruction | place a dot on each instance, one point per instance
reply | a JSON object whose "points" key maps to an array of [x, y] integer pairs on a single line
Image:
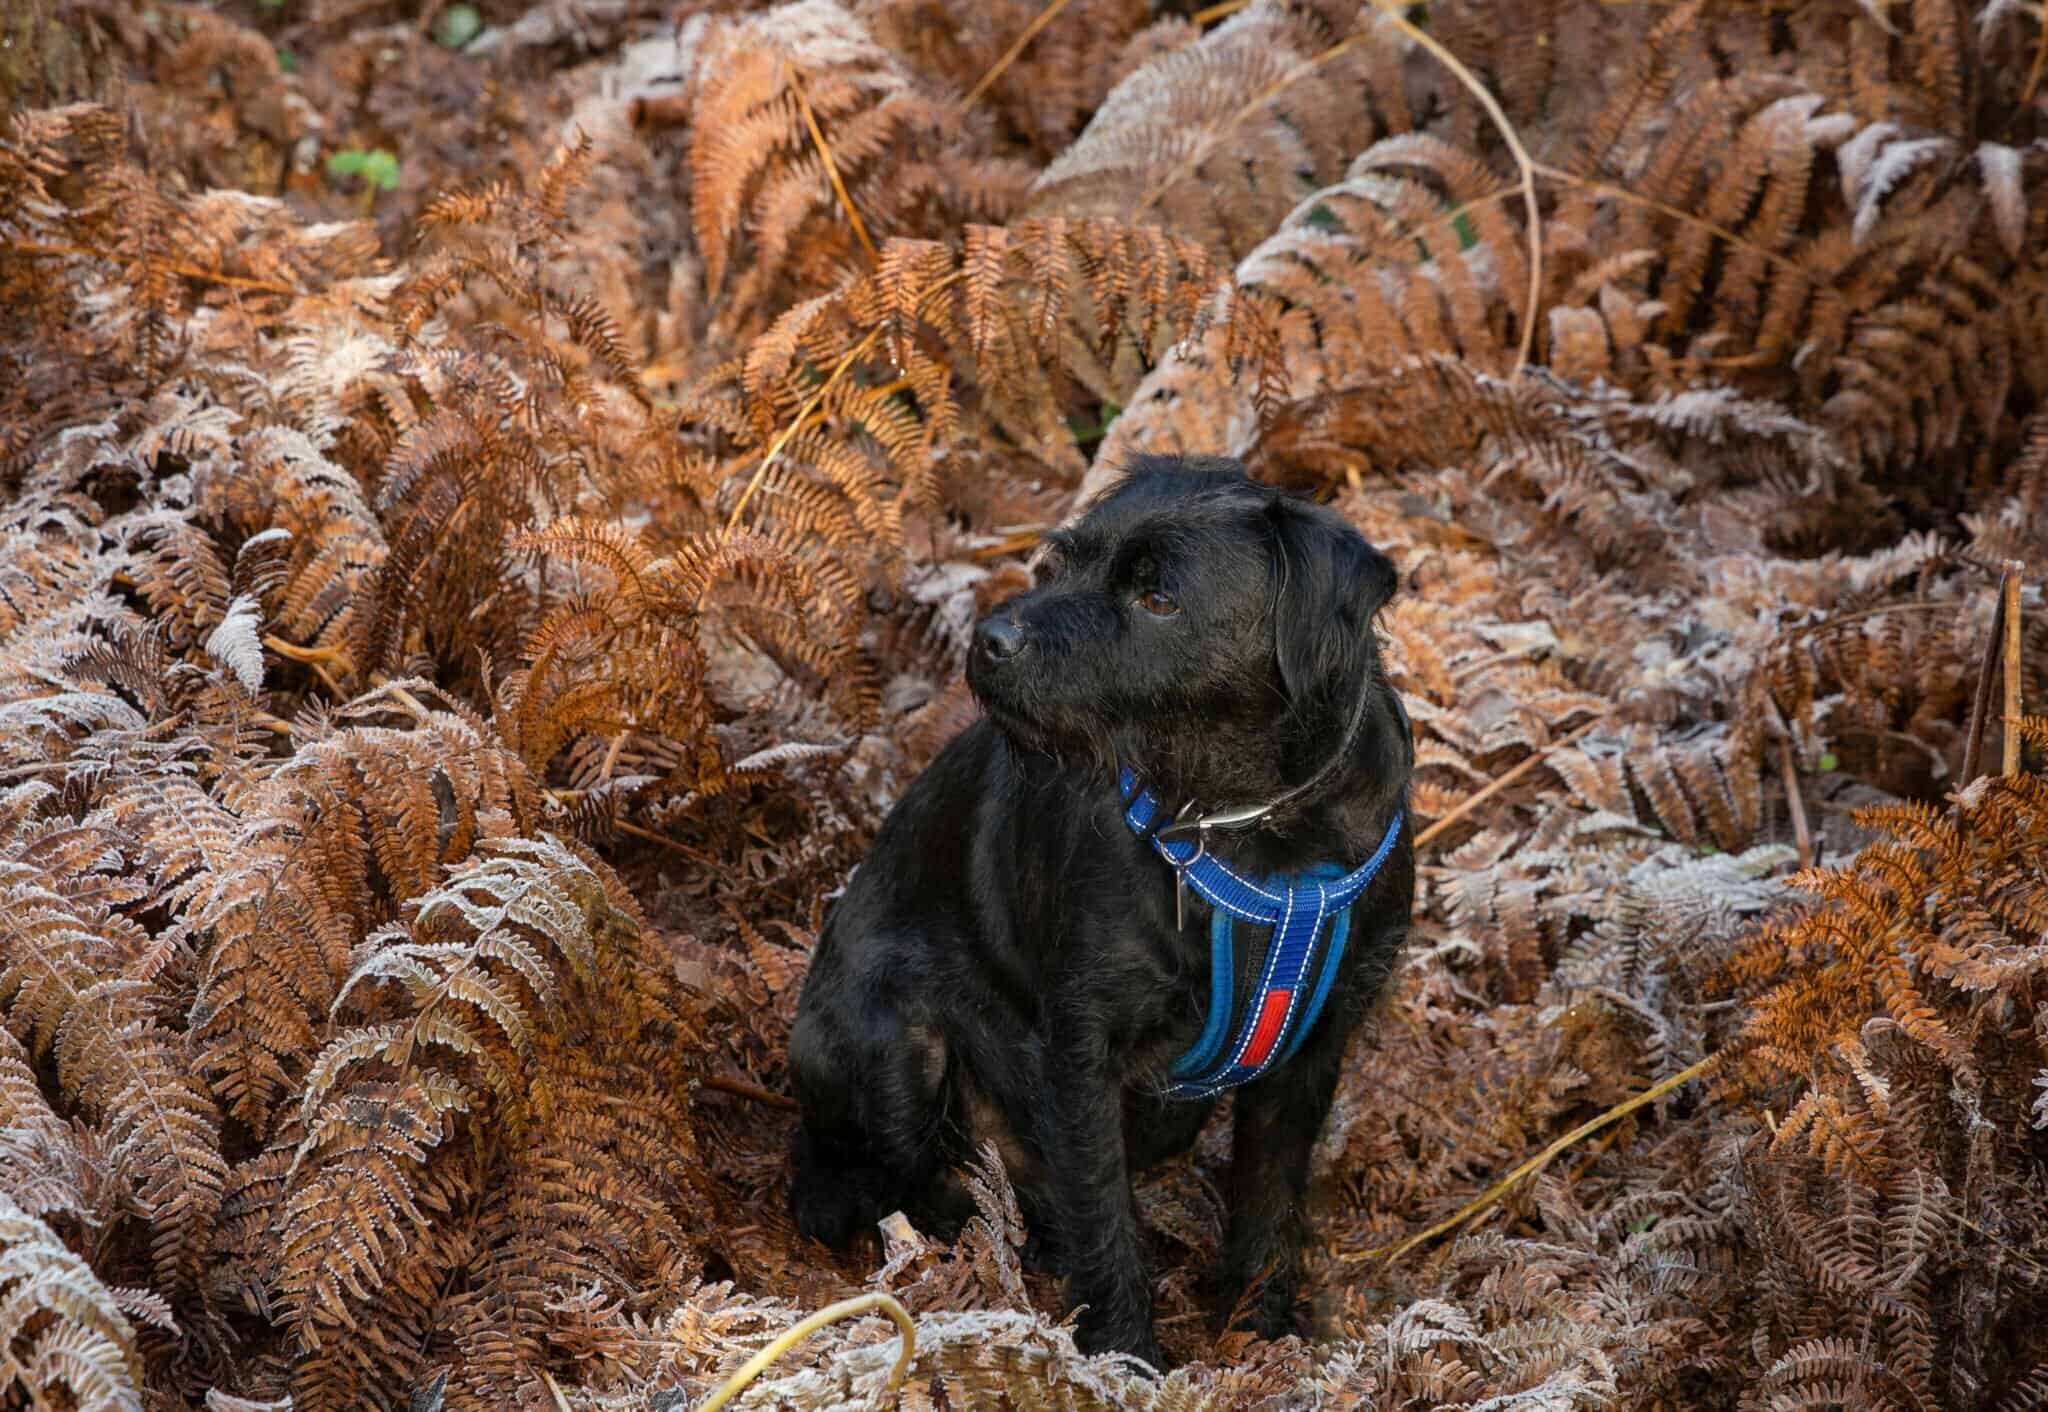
{"points": [[1146, 1351], [1153, 1357], [1267, 1310], [1139, 1343], [834, 1205], [1042, 1253], [824, 1215]]}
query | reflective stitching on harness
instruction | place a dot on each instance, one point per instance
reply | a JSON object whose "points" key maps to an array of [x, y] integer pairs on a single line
{"points": [[1266, 987]]}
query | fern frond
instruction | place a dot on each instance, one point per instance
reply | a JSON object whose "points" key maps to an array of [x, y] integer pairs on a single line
{"points": [[1218, 140], [117, 1062], [63, 1336]]}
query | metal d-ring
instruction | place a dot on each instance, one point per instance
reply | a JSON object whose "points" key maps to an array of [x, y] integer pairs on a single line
{"points": [[1173, 832]]}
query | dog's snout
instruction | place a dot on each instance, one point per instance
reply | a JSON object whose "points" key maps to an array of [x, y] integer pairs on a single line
{"points": [[999, 638]]}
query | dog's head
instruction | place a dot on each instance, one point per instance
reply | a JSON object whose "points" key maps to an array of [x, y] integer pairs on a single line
{"points": [[1207, 630]]}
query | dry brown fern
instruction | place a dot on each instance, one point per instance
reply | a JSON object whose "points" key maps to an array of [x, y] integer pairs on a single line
{"points": [[1884, 954], [1047, 92], [1789, 233], [538, 407], [65, 1338], [1219, 139], [1883, 1019], [507, 984], [365, 815], [70, 996], [188, 876], [769, 222], [326, 578], [624, 658], [858, 388], [829, 431], [982, 1270]]}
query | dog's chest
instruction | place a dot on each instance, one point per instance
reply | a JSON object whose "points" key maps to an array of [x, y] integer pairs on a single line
{"points": [[1150, 991]]}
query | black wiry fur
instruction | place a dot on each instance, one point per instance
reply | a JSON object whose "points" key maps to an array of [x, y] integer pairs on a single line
{"points": [[1006, 958]]}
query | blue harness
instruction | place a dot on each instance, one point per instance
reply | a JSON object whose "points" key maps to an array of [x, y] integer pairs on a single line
{"points": [[1282, 1009]]}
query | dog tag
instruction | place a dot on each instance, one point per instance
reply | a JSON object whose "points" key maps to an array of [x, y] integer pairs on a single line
{"points": [[1180, 872]]}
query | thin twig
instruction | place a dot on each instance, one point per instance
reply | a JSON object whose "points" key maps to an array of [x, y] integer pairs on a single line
{"points": [[411, 703], [568, 798], [1795, 801], [555, 1391], [1525, 164], [309, 656], [30, 247], [1980, 702], [803, 102], [1472, 669], [611, 758], [2040, 1270], [1022, 42], [1835, 621], [673, 845], [1530, 1168], [797, 1333], [1202, 19], [740, 1088], [1802, 835], [2033, 84], [2010, 594], [317, 658], [1422, 839], [327, 679]]}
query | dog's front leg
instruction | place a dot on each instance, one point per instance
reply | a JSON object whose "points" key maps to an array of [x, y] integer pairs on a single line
{"points": [[1273, 1135], [1093, 1213]]}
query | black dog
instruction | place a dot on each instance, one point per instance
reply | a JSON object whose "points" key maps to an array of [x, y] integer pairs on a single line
{"points": [[1014, 959]]}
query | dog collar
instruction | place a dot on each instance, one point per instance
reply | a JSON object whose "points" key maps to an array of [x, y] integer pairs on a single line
{"points": [[1282, 1009], [1246, 815]]}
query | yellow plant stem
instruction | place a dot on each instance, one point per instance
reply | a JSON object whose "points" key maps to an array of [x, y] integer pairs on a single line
{"points": [[811, 403], [1023, 42], [35, 248], [796, 423], [1734, 239], [1273, 90], [1523, 163], [1495, 1193], [2009, 593], [318, 658], [797, 1333], [803, 102]]}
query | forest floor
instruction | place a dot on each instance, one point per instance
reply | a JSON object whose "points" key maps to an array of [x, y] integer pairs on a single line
{"points": [[494, 498]]}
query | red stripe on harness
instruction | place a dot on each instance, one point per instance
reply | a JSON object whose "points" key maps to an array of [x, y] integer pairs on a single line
{"points": [[1272, 1015]]}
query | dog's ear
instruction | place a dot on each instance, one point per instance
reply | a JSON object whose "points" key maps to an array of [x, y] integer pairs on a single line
{"points": [[1328, 584]]}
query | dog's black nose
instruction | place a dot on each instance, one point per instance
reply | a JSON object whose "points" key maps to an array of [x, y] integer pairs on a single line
{"points": [[999, 638]]}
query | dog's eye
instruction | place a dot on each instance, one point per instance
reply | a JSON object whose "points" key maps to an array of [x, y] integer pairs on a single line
{"points": [[1158, 603]]}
